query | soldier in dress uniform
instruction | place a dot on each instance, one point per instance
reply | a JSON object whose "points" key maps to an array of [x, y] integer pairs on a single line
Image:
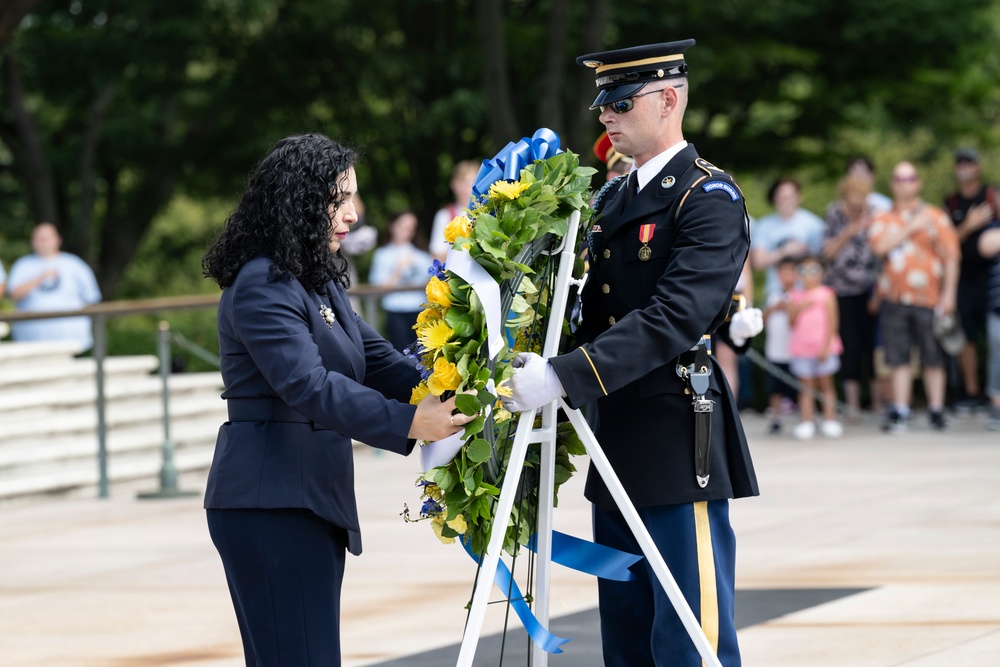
{"points": [[667, 246]]}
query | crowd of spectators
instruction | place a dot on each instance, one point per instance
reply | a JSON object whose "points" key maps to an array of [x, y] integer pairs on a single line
{"points": [[879, 287]]}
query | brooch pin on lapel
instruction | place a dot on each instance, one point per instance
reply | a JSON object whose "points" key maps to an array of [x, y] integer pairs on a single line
{"points": [[328, 315]]}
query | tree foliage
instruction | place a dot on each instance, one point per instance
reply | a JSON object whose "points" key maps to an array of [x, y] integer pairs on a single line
{"points": [[111, 109]]}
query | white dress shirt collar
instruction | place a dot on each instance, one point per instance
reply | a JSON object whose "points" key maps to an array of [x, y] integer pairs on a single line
{"points": [[648, 171]]}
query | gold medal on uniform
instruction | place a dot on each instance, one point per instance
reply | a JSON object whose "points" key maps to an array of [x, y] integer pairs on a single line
{"points": [[646, 235]]}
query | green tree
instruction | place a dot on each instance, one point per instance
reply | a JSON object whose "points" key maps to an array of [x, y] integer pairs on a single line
{"points": [[110, 109]]}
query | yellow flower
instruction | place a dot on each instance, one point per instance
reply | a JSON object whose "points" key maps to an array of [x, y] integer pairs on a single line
{"points": [[459, 226], [419, 393], [436, 335], [445, 377], [439, 292], [437, 523], [429, 314], [501, 415], [458, 524], [507, 191], [503, 390]]}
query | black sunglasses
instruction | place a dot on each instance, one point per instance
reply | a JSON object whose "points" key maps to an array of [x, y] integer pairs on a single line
{"points": [[624, 106]]}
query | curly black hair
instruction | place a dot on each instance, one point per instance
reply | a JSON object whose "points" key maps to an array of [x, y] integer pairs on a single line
{"points": [[283, 215]]}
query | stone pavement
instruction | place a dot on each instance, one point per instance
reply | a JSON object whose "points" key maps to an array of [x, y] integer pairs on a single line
{"points": [[905, 531]]}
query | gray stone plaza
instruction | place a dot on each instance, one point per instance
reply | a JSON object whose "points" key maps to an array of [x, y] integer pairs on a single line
{"points": [[867, 551]]}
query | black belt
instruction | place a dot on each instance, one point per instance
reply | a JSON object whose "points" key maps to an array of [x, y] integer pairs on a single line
{"points": [[263, 410]]}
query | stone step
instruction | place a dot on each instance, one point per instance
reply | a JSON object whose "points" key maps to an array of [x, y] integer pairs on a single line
{"points": [[38, 351], [30, 401], [18, 457], [35, 373], [83, 419], [63, 477]]}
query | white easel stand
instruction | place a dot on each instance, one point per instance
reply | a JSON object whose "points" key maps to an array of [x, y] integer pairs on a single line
{"points": [[546, 435]]}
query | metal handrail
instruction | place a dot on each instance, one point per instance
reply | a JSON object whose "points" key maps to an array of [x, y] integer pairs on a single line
{"points": [[101, 312]]}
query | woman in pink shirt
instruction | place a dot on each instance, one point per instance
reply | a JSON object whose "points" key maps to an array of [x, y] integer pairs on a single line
{"points": [[815, 349]]}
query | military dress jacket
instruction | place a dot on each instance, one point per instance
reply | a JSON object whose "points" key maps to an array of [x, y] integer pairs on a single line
{"points": [[641, 310], [304, 375]]}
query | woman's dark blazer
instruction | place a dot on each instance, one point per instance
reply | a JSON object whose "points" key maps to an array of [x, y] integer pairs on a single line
{"points": [[299, 389]]}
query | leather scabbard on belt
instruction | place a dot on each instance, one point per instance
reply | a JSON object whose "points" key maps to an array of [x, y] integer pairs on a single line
{"points": [[695, 367]]}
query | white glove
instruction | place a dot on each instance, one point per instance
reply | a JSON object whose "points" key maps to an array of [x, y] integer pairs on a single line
{"points": [[745, 324], [533, 385]]}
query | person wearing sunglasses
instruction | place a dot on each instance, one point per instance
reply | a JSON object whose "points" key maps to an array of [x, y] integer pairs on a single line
{"points": [[920, 253], [667, 248]]}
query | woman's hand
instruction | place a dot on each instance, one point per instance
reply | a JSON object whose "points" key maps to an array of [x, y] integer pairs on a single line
{"points": [[436, 419]]}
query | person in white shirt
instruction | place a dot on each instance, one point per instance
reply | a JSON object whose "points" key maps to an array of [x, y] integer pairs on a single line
{"points": [[789, 232], [463, 176], [52, 280], [400, 263]]}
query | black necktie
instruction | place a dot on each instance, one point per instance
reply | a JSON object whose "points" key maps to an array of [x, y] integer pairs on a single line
{"points": [[631, 186]]}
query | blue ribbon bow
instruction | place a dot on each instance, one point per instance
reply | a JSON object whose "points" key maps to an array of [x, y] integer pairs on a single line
{"points": [[508, 163]]}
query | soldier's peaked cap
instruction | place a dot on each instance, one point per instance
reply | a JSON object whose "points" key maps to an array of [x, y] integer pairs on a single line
{"points": [[623, 73]]}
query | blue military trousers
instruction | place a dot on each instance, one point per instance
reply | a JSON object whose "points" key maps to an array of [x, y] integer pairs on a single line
{"points": [[284, 568], [639, 627]]}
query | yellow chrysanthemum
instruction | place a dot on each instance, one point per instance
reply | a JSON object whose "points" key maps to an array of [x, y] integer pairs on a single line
{"points": [[458, 524], [444, 378], [459, 226], [439, 292], [435, 335], [507, 191], [419, 393], [437, 524], [429, 314]]}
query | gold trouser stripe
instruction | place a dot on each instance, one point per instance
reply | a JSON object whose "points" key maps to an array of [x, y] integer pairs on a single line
{"points": [[706, 573], [598, 375], [639, 63]]}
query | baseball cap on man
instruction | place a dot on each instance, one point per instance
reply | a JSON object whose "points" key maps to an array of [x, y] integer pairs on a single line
{"points": [[624, 72], [966, 155]]}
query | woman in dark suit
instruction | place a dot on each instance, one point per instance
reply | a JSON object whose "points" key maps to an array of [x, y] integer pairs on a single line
{"points": [[304, 375]]}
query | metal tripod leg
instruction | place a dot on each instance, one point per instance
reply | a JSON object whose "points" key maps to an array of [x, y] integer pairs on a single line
{"points": [[649, 550], [508, 491]]}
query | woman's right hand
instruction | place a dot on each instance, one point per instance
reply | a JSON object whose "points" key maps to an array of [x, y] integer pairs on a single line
{"points": [[436, 419]]}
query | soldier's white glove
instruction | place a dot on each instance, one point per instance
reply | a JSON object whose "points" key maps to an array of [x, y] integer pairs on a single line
{"points": [[745, 324], [533, 385]]}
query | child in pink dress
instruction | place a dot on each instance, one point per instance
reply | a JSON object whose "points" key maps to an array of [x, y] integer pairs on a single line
{"points": [[815, 348]]}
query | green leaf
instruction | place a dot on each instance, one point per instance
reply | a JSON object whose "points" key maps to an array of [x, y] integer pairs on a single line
{"points": [[461, 321], [443, 477], [469, 481], [475, 426], [467, 404], [479, 450]]}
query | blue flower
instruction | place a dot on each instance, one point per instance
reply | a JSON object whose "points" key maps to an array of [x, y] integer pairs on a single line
{"points": [[430, 507], [437, 270]]}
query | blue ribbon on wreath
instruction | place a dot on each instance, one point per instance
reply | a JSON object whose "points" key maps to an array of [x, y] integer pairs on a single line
{"points": [[508, 163], [503, 580], [568, 551]]}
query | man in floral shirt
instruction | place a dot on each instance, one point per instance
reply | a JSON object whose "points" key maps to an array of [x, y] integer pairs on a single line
{"points": [[920, 254]]}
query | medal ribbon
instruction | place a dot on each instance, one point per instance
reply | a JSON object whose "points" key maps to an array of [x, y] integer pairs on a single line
{"points": [[646, 233]]}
